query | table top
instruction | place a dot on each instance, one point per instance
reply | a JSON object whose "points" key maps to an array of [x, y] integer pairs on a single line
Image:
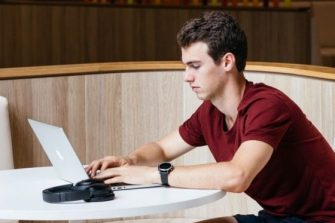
{"points": [[21, 199]]}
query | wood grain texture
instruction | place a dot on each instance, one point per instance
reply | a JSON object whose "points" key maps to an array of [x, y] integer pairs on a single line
{"points": [[320, 72], [115, 110], [49, 34]]}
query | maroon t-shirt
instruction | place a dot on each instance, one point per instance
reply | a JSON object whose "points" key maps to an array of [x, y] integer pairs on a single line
{"points": [[299, 179]]}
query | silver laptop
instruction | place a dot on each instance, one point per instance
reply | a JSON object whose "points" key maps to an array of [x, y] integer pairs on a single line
{"points": [[63, 158]]}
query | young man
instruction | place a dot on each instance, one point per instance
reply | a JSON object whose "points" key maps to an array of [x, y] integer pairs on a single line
{"points": [[262, 142]]}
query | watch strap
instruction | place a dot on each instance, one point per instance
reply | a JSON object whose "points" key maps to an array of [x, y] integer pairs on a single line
{"points": [[164, 171], [164, 178]]}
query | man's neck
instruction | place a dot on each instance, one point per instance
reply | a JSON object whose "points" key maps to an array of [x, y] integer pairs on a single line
{"points": [[231, 98]]}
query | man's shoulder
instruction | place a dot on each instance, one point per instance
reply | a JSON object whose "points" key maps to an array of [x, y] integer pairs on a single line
{"points": [[260, 92]]}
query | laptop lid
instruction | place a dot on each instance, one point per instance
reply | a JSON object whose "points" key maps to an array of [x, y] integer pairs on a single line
{"points": [[63, 158], [59, 151]]}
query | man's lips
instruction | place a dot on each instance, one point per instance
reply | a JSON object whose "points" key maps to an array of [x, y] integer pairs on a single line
{"points": [[194, 88]]}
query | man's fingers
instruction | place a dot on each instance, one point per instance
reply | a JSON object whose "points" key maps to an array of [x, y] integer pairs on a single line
{"points": [[114, 180], [95, 167], [104, 166], [108, 173]]}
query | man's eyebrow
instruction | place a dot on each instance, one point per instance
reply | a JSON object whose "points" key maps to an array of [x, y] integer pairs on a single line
{"points": [[192, 62]]}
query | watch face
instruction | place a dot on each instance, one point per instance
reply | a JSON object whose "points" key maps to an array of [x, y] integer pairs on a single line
{"points": [[165, 166]]}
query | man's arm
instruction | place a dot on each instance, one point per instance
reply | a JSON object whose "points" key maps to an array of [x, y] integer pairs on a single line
{"points": [[233, 176], [166, 149], [150, 154]]}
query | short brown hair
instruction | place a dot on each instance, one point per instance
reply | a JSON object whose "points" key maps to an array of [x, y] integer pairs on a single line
{"points": [[220, 32]]}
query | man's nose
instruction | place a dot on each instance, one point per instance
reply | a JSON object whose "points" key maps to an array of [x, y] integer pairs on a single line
{"points": [[188, 76]]}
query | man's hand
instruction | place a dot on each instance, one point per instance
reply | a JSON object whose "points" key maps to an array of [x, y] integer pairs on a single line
{"points": [[105, 163], [130, 175]]}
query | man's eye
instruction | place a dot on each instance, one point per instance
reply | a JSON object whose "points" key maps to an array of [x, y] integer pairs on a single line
{"points": [[195, 67]]}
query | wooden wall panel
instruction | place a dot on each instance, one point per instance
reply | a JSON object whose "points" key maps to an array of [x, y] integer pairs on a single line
{"points": [[53, 100], [103, 116], [151, 107], [45, 34]]}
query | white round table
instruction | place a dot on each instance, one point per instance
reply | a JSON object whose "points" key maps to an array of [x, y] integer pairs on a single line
{"points": [[21, 199]]}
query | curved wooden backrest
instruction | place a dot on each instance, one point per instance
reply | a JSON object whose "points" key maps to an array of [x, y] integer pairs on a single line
{"points": [[327, 73], [111, 108], [114, 107]]}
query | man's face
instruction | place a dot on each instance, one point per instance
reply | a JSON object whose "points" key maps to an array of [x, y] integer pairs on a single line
{"points": [[204, 76]]}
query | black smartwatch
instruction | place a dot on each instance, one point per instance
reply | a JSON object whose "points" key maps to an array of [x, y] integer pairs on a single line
{"points": [[164, 170]]}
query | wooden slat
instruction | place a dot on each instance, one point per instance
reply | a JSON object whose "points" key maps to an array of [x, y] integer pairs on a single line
{"points": [[96, 68]]}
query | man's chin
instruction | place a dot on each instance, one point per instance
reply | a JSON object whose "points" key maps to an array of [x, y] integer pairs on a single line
{"points": [[201, 97]]}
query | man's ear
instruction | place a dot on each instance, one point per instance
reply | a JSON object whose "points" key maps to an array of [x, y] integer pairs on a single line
{"points": [[228, 61]]}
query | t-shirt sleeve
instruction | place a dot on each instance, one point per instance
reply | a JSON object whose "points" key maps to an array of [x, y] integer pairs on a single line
{"points": [[267, 120], [191, 130]]}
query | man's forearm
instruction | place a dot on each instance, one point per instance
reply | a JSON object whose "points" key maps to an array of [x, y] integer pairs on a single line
{"points": [[150, 154]]}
